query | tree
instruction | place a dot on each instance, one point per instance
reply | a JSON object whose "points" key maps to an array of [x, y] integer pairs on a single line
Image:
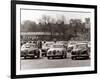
{"points": [[28, 26], [47, 22], [61, 26]]}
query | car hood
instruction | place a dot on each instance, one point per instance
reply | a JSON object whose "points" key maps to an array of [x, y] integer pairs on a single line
{"points": [[52, 49], [70, 46], [28, 49], [78, 49], [46, 47]]}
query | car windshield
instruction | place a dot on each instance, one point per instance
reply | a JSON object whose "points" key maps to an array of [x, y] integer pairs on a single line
{"points": [[72, 43], [29, 45], [47, 44], [58, 46], [82, 46]]}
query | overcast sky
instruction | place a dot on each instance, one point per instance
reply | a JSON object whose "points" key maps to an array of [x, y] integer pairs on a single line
{"points": [[35, 15]]}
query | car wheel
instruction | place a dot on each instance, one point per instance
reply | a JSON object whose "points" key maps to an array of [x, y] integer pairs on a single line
{"points": [[87, 57], [33, 57], [50, 58], [73, 58], [45, 55], [38, 55], [63, 57], [24, 57]]}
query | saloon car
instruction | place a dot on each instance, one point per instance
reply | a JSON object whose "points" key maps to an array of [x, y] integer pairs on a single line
{"points": [[80, 51], [57, 50], [30, 50]]}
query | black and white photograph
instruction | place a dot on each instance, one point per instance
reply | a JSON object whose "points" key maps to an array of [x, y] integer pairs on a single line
{"points": [[54, 39]]}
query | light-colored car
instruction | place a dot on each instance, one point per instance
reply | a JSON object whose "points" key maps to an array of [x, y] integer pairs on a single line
{"points": [[30, 50], [57, 50], [80, 50]]}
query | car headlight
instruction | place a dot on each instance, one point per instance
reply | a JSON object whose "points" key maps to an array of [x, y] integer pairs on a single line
{"points": [[73, 53], [54, 52], [58, 52], [49, 52], [63, 52]]}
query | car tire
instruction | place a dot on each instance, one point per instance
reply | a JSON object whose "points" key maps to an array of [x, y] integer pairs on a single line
{"points": [[73, 58], [38, 55], [87, 57], [63, 57], [25, 57], [33, 57], [50, 58], [45, 55]]}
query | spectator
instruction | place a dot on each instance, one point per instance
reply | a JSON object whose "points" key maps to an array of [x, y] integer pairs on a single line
{"points": [[55, 40], [44, 41], [40, 44]]}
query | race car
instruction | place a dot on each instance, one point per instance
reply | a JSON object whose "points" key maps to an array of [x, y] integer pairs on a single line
{"points": [[57, 50], [80, 51], [30, 50]]}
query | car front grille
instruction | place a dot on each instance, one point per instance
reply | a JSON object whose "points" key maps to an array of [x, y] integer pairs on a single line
{"points": [[54, 52], [32, 52]]}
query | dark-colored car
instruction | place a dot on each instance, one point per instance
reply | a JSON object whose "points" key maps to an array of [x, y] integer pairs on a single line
{"points": [[30, 50], [80, 51]]}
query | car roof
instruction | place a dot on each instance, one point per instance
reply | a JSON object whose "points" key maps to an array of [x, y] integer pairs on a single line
{"points": [[29, 44], [58, 44], [81, 43]]}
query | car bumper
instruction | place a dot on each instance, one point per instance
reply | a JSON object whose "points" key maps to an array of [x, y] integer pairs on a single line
{"points": [[80, 56], [55, 55]]}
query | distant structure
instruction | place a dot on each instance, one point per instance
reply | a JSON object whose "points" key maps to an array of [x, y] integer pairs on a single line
{"points": [[28, 36], [73, 22], [87, 23]]}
